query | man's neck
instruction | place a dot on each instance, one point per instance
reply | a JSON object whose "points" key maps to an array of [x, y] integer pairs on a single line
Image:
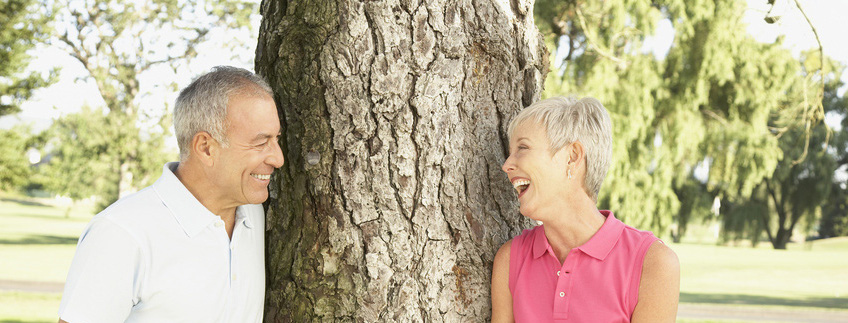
{"points": [[197, 183]]}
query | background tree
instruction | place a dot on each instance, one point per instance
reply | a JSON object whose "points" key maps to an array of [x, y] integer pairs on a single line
{"points": [[15, 169], [23, 23], [80, 165], [834, 211], [706, 103], [834, 222], [802, 183], [117, 42], [392, 203]]}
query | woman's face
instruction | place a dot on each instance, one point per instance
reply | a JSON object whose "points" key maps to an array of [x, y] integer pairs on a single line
{"points": [[537, 174]]}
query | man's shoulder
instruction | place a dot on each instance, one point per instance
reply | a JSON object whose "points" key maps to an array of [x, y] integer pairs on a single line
{"points": [[133, 207]]}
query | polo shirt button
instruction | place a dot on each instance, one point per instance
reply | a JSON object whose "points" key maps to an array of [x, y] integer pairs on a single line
{"points": [[219, 224], [234, 276], [561, 294], [557, 272]]}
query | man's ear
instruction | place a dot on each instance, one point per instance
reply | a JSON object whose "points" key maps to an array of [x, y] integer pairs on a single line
{"points": [[204, 147]]}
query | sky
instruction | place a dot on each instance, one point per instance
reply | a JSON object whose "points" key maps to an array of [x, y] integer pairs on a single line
{"points": [[72, 91]]}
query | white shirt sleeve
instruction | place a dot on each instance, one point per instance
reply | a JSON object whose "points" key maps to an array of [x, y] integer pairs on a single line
{"points": [[103, 280]]}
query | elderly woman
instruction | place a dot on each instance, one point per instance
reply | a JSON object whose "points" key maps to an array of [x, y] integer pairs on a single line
{"points": [[581, 264]]}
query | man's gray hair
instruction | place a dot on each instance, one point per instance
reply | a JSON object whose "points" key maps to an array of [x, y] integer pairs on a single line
{"points": [[566, 120], [202, 106]]}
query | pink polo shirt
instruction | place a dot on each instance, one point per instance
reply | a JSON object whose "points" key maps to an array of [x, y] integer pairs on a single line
{"points": [[599, 281]]}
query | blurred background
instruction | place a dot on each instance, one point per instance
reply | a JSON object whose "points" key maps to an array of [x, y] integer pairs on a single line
{"points": [[728, 119]]}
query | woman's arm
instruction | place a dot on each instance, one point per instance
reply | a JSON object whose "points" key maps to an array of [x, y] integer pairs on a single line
{"points": [[501, 297], [659, 288]]}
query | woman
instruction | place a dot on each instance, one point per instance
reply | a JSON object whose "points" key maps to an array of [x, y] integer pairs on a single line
{"points": [[581, 264]]}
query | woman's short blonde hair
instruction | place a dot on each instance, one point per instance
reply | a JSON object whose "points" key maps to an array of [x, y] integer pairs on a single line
{"points": [[566, 120]]}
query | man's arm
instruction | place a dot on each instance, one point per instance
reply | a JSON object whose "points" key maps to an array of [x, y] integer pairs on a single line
{"points": [[101, 281], [501, 297], [659, 288]]}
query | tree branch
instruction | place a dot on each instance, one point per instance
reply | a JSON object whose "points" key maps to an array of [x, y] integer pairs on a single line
{"points": [[818, 107], [600, 50]]}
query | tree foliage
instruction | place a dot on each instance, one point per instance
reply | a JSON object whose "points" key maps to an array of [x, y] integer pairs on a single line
{"points": [[80, 165], [15, 169], [803, 183], [22, 25], [118, 42], [716, 98]]}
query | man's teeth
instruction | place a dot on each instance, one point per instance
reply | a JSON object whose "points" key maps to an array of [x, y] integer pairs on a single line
{"points": [[261, 176]]}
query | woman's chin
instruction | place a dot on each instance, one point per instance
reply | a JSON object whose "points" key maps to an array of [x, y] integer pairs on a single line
{"points": [[527, 212]]}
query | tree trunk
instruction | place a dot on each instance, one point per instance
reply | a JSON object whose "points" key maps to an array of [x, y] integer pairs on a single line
{"points": [[126, 180], [781, 238], [391, 203]]}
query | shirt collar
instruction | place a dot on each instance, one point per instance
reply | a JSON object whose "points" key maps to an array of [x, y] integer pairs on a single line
{"points": [[598, 246], [191, 215], [243, 216]]}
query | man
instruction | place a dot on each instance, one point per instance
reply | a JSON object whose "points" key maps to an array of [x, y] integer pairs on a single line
{"points": [[189, 248]]}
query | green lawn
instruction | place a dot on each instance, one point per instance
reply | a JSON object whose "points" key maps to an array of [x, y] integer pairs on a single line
{"points": [[728, 275], [21, 307], [37, 239], [37, 243]]}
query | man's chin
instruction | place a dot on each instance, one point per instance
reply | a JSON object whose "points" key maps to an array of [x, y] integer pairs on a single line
{"points": [[258, 198]]}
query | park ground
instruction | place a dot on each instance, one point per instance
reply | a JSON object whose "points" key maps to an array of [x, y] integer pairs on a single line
{"points": [[806, 283]]}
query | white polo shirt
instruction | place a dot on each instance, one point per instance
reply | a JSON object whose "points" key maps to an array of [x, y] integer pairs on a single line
{"points": [[160, 256]]}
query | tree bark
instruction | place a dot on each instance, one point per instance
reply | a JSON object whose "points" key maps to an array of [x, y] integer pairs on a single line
{"points": [[391, 203]]}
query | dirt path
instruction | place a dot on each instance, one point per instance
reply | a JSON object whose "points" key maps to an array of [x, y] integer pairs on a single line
{"points": [[760, 314], [31, 286], [686, 310]]}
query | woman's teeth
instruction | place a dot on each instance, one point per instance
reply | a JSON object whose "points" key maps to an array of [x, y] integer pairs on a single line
{"points": [[521, 185]]}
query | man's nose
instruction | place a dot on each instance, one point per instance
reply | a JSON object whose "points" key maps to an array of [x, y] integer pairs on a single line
{"points": [[276, 159]]}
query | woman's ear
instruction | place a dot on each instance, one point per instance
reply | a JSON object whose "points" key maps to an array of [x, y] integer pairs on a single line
{"points": [[576, 154], [204, 147]]}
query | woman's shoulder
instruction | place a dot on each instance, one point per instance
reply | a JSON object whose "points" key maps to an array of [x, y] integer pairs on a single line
{"points": [[525, 239], [517, 244], [633, 235]]}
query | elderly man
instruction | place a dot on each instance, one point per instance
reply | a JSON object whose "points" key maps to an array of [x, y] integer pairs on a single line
{"points": [[189, 248]]}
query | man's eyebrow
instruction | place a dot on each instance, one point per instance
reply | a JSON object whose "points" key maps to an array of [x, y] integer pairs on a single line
{"points": [[265, 135], [262, 136]]}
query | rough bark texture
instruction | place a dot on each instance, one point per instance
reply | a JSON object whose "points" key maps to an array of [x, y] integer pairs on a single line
{"points": [[391, 204]]}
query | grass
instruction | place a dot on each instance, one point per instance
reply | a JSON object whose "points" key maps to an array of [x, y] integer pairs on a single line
{"points": [[37, 242], [29, 307], [749, 276]]}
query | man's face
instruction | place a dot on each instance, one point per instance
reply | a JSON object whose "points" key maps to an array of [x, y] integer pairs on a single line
{"points": [[242, 171]]}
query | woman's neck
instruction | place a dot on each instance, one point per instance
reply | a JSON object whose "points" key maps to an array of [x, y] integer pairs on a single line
{"points": [[571, 224]]}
